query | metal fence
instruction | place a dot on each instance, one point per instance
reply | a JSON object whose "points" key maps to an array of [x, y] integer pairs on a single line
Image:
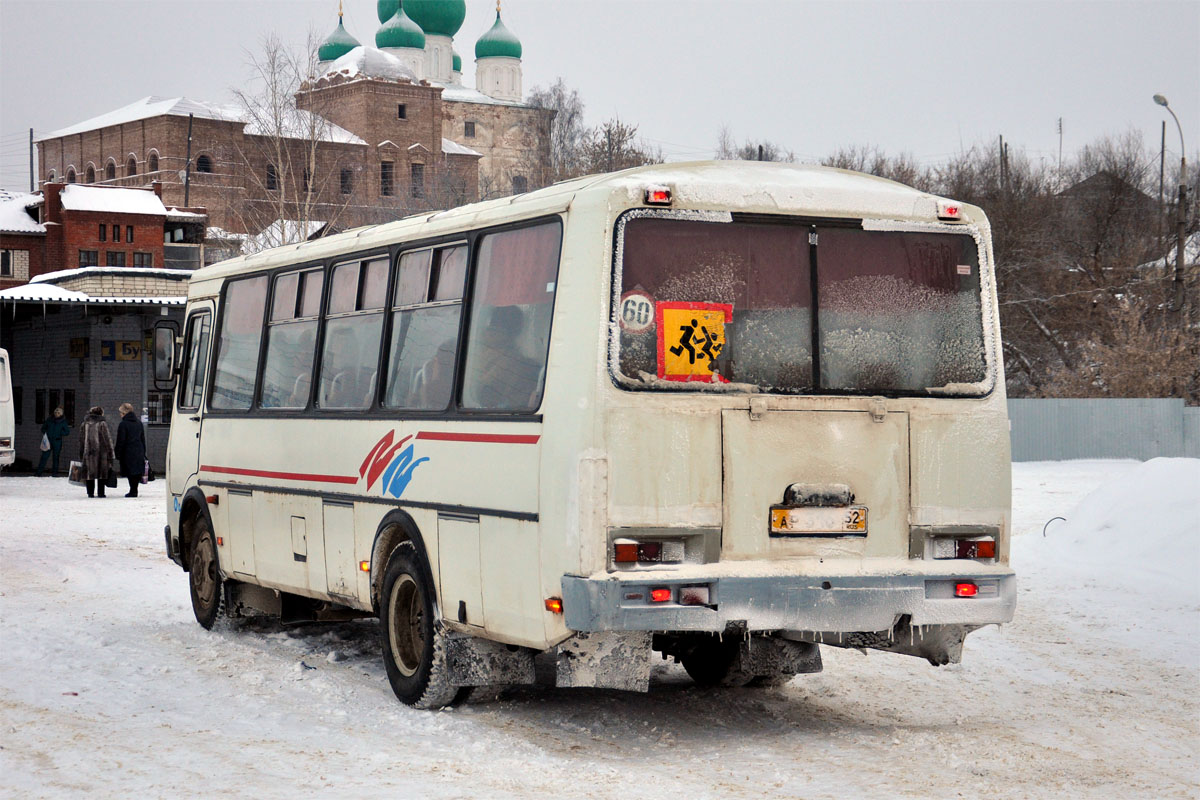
{"points": [[1054, 430]]}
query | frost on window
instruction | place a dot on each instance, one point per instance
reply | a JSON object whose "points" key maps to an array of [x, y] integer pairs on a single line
{"points": [[899, 312], [761, 271], [728, 306]]}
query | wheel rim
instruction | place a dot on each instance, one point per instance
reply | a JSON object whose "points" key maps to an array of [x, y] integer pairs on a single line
{"points": [[405, 623], [204, 572]]}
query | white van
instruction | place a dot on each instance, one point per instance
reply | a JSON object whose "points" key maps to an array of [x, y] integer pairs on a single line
{"points": [[725, 412]]}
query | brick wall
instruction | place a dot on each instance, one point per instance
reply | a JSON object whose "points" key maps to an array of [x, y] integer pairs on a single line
{"points": [[27, 254], [81, 231], [513, 140]]}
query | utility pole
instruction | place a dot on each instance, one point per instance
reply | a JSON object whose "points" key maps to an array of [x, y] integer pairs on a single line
{"points": [[1001, 164], [187, 170], [32, 187], [1162, 174], [1060, 144], [1180, 297], [760, 152]]}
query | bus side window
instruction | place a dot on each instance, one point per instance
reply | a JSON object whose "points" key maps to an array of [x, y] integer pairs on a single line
{"points": [[509, 335], [353, 325], [291, 340], [425, 318], [237, 347]]}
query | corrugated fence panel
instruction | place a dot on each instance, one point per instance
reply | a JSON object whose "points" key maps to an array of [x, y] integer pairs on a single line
{"points": [[1057, 429], [1191, 431]]}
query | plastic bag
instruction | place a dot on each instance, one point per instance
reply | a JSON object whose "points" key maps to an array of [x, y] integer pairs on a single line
{"points": [[75, 474], [146, 473], [45, 443]]}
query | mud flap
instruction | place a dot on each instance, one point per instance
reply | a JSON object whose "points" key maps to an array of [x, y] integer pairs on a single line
{"points": [[769, 657], [606, 660], [481, 662]]}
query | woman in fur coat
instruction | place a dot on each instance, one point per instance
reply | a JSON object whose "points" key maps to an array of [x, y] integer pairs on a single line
{"points": [[95, 451]]}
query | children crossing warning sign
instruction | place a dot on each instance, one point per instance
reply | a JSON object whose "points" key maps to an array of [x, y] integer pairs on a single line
{"points": [[691, 337]]}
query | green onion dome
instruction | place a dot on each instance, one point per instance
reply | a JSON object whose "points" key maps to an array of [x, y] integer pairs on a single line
{"points": [[437, 17], [457, 63], [498, 42], [337, 44], [386, 9], [400, 31]]}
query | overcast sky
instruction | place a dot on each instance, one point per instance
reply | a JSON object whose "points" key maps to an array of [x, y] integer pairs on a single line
{"points": [[919, 77]]}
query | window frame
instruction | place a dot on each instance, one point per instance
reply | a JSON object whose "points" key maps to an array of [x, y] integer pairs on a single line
{"points": [[186, 360], [318, 339]]}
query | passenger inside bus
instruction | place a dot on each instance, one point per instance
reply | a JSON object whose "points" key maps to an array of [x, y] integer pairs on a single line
{"points": [[345, 381], [502, 376]]}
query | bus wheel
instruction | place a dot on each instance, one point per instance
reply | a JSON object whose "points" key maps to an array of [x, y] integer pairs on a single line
{"points": [[709, 661], [414, 641], [204, 578]]}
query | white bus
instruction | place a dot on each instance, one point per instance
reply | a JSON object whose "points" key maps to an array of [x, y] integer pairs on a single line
{"points": [[8, 425], [725, 412]]}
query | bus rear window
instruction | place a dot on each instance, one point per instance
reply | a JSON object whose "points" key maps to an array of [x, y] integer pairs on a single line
{"points": [[730, 307]]}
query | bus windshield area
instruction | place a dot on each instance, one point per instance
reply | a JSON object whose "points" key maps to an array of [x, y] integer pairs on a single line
{"points": [[798, 309]]}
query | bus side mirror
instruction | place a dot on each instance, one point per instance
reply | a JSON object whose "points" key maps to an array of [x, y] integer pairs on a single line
{"points": [[164, 354]]}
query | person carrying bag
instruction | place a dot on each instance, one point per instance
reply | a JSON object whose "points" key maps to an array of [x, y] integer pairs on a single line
{"points": [[96, 451], [54, 430]]}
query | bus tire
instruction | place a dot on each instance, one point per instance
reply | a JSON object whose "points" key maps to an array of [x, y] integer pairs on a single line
{"points": [[710, 662], [413, 638], [204, 577]]}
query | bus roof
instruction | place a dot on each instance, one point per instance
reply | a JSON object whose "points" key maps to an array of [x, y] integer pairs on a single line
{"points": [[748, 186]]}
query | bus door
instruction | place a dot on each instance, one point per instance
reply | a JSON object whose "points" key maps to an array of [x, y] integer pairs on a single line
{"points": [[183, 452]]}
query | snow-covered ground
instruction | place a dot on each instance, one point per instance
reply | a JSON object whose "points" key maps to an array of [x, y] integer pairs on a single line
{"points": [[108, 688]]}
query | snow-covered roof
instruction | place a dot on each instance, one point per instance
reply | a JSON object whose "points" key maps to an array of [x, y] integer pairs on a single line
{"points": [[184, 216], [136, 272], [111, 199], [300, 124], [13, 216], [465, 94], [370, 62], [1191, 254], [146, 108], [455, 148], [153, 106]]}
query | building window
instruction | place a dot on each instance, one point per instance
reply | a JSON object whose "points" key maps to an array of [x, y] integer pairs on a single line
{"points": [[129, 233], [131, 166], [50, 178], [469, 130], [89, 258], [305, 180], [401, 111], [152, 164], [158, 408], [110, 170], [90, 175], [143, 259], [520, 184], [347, 181], [68, 404], [418, 180], [204, 164], [386, 181], [103, 232], [70, 176], [39, 406], [272, 178], [114, 258], [116, 233], [6, 270]]}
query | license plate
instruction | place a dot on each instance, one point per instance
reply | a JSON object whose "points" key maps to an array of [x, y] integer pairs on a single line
{"points": [[823, 521]]}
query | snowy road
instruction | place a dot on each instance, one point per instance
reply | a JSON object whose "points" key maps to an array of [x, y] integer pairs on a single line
{"points": [[108, 688]]}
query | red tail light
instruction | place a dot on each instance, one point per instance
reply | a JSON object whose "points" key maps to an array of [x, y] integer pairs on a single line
{"points": [[965, 590], [660, 595]]}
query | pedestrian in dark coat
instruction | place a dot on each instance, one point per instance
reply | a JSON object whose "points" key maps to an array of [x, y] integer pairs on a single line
{"points": [[131, 448], [55, 429], [95, 451]]}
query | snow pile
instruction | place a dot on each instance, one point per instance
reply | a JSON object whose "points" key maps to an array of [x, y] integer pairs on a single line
{"points": [[370, 62], [1128, 556]]}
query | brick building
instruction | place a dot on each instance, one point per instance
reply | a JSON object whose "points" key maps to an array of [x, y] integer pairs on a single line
{"points": [[377, 132], [68, 226]]}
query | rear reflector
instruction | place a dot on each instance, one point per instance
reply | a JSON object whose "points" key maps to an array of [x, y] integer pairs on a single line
{"points": [[660, 595], [365, 566], [220, 541], [625, 552], [965, 590], [964, 548], [554, 605], [212, 499]]}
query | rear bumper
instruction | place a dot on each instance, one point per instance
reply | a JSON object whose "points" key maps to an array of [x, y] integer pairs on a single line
{"points": [[7, 456], [828, 604]]}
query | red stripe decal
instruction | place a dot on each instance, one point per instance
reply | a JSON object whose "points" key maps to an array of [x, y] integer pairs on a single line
{"points": [[495, 438], [286, 476]]}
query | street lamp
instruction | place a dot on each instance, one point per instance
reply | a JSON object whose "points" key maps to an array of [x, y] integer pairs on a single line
{"points": [[1181, 208]]}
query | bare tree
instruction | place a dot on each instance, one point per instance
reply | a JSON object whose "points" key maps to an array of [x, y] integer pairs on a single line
{"points": [[750, 150], [568, 132], [614, 145], [296, 165]]}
